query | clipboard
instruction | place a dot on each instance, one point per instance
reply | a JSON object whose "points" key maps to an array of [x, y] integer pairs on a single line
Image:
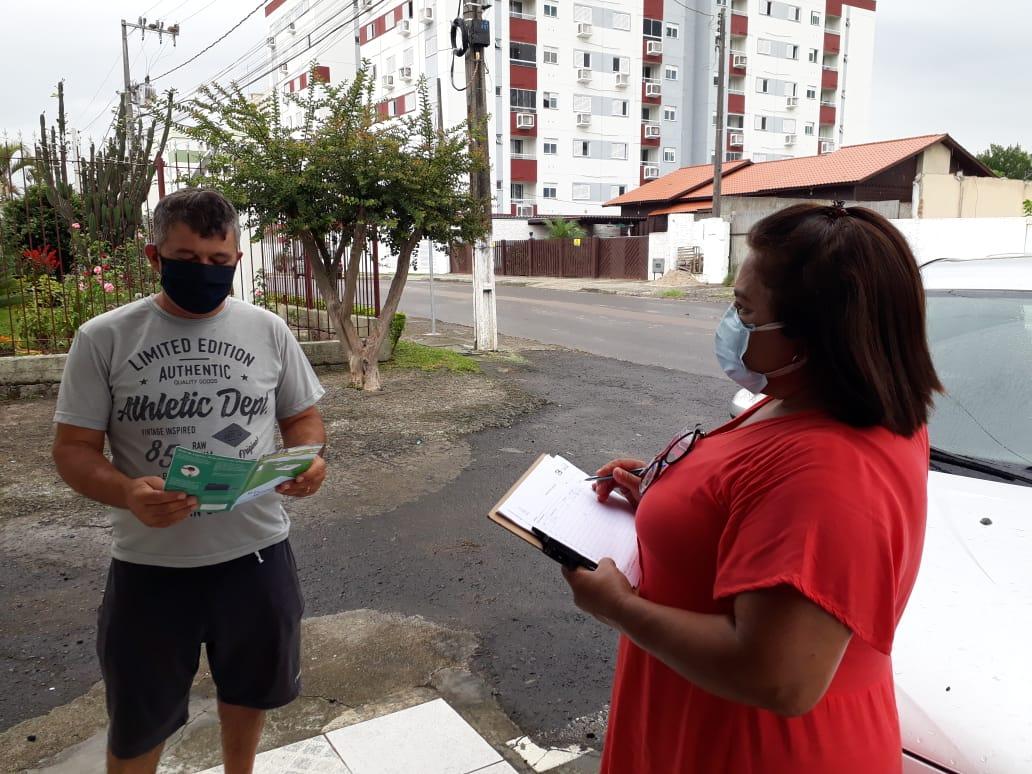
{"points": [[552, 548]]}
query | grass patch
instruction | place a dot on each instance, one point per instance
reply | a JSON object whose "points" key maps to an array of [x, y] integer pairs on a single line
{"points": [[671, 293], [408, 354]]}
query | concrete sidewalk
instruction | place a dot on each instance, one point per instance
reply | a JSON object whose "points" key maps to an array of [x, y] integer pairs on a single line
{"points": [[383, 694], [674, 284]]}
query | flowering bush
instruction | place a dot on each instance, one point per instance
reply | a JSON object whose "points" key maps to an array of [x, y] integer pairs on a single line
{"points": [[40, 260]]}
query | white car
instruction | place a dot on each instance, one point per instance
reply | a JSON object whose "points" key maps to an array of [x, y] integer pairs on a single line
{"points": [[963, 651]]}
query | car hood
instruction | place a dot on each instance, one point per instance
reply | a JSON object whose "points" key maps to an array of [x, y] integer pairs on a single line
{"points": [[963, 650]]}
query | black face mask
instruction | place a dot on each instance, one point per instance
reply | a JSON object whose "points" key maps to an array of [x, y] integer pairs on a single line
{"points": [[196, 287]]}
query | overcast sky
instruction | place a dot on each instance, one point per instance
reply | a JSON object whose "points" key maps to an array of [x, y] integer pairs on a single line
{"points": [[940, 65]]}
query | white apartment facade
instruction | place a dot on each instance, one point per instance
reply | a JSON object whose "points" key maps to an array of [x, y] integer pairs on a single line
{"points": [[592, 98]]}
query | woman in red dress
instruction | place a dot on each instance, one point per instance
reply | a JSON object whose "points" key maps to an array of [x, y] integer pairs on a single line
{"points": [[778, 551]]}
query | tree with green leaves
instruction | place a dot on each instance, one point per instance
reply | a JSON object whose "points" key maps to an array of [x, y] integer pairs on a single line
{"points": [[1011, 161], [565, 229], [346, 176]]}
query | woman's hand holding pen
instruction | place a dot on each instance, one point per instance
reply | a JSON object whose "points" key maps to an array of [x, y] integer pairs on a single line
{"points": [[622, 475]]}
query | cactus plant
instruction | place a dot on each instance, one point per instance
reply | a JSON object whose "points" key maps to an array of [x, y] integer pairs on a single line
{"points": [[113, 182]]}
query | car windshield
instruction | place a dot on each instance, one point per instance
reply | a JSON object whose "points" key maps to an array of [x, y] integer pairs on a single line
{"points": [[981, 342]]}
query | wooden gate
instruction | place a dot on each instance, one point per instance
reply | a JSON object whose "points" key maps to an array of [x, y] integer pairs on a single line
{"points": [[616, 258]]}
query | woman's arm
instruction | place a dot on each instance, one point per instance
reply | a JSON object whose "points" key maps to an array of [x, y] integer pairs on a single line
{"points": [[778, 651]]}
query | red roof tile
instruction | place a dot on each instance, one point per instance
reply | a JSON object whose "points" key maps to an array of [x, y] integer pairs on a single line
{"points": [[850, 164], [674, 185], [678, 207]]}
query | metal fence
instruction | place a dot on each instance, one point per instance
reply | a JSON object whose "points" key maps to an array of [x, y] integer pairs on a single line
{"points": [[54, 277]]}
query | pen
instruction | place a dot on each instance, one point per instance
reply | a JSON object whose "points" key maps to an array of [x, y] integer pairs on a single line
{"points": [[635, 472]]}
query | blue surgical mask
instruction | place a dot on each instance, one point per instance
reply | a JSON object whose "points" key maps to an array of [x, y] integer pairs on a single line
{"points": [[732, 342], [196, 287]]}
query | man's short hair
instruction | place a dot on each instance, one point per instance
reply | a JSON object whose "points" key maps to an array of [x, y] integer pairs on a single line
{"points": [[203, 210]]}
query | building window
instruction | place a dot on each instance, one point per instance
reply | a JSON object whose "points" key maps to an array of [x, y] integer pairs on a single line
{"points": [[523, 98], [621, 21], [645, 156], [670, 73], [777, 48], [549, 191], [516, 7], [582, 59], [582, 103], [550, 100], [811, 92], [815, 18], [646, 113], [621, 107], [551, 147], [811, 55], [763, 85], [669, 155], [551, 56], [582, 149], [653, 28], [736, 121], [581, 192], [763, 123], [808, 129], [673, 30], [516, 147], [551, 11], [621, 64], [618, 150], [736, 156], [779, 10], [669, 113], [370, 31], [646, 72], [524, 53], [516, 191]]}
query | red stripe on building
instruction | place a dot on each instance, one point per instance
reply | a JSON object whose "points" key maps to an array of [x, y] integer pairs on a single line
{"points": [[271, 7], [523, 77], [653, 9]]}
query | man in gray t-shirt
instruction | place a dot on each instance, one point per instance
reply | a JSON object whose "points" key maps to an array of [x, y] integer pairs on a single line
{"points": [[196, 368]]}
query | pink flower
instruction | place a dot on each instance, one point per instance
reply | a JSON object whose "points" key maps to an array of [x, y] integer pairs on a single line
{"points": [[76, 226], [259, 293], [97, 270], [109, 288]]}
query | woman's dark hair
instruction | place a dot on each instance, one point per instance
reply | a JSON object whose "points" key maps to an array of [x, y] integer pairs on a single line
{"points": [[845, 283]]}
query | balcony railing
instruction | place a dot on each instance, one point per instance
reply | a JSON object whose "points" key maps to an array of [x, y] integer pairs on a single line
{"points": [[523, 15], [524, 156], [828, 103]]}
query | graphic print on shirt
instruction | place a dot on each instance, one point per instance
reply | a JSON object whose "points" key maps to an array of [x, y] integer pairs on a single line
{"points": [[196, 392]]}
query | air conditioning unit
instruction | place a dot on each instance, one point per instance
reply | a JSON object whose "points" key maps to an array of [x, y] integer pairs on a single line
{"points": [[406, 27], [525, 120], [584, 29], [524, 211], [652, 131], [650, 172], [584, 74], [283, 69], [292, 28], [270, 42], [426, 15], [827, 147], [388, 81], [790, 139], [584, 119], [736, 140], [653, 89], [654, 48], [791, 102], [405, 73], [622, 80], [739, 60]]}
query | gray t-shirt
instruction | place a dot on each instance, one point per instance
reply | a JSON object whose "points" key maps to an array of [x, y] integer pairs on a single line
{"points": [[153, 381]]}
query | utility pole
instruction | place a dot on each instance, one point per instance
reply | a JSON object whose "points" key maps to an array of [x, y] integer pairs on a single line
{"points": [[485, 319], [718, 145], [142, 25]]}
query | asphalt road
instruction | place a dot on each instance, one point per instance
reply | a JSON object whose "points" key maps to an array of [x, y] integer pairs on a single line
{"points": [[439, 557], [649, 331]]}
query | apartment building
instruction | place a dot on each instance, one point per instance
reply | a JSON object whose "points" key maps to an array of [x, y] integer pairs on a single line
{"points": [[592, 98]]}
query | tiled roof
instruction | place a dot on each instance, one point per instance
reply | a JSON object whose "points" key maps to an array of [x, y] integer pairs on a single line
{"points": [[677, 207], [673, 185], [850, 164]]}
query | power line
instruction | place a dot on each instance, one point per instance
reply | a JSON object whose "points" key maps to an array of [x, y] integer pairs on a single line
{"points": [[199, 10], [103, 83], [214, 43]]}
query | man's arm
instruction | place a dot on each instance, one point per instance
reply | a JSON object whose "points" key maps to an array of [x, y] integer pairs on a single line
{"points": [[304, 429], [79, 455]]}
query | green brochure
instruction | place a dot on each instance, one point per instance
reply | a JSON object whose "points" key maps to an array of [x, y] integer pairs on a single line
{"points": [[223, 483]]}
